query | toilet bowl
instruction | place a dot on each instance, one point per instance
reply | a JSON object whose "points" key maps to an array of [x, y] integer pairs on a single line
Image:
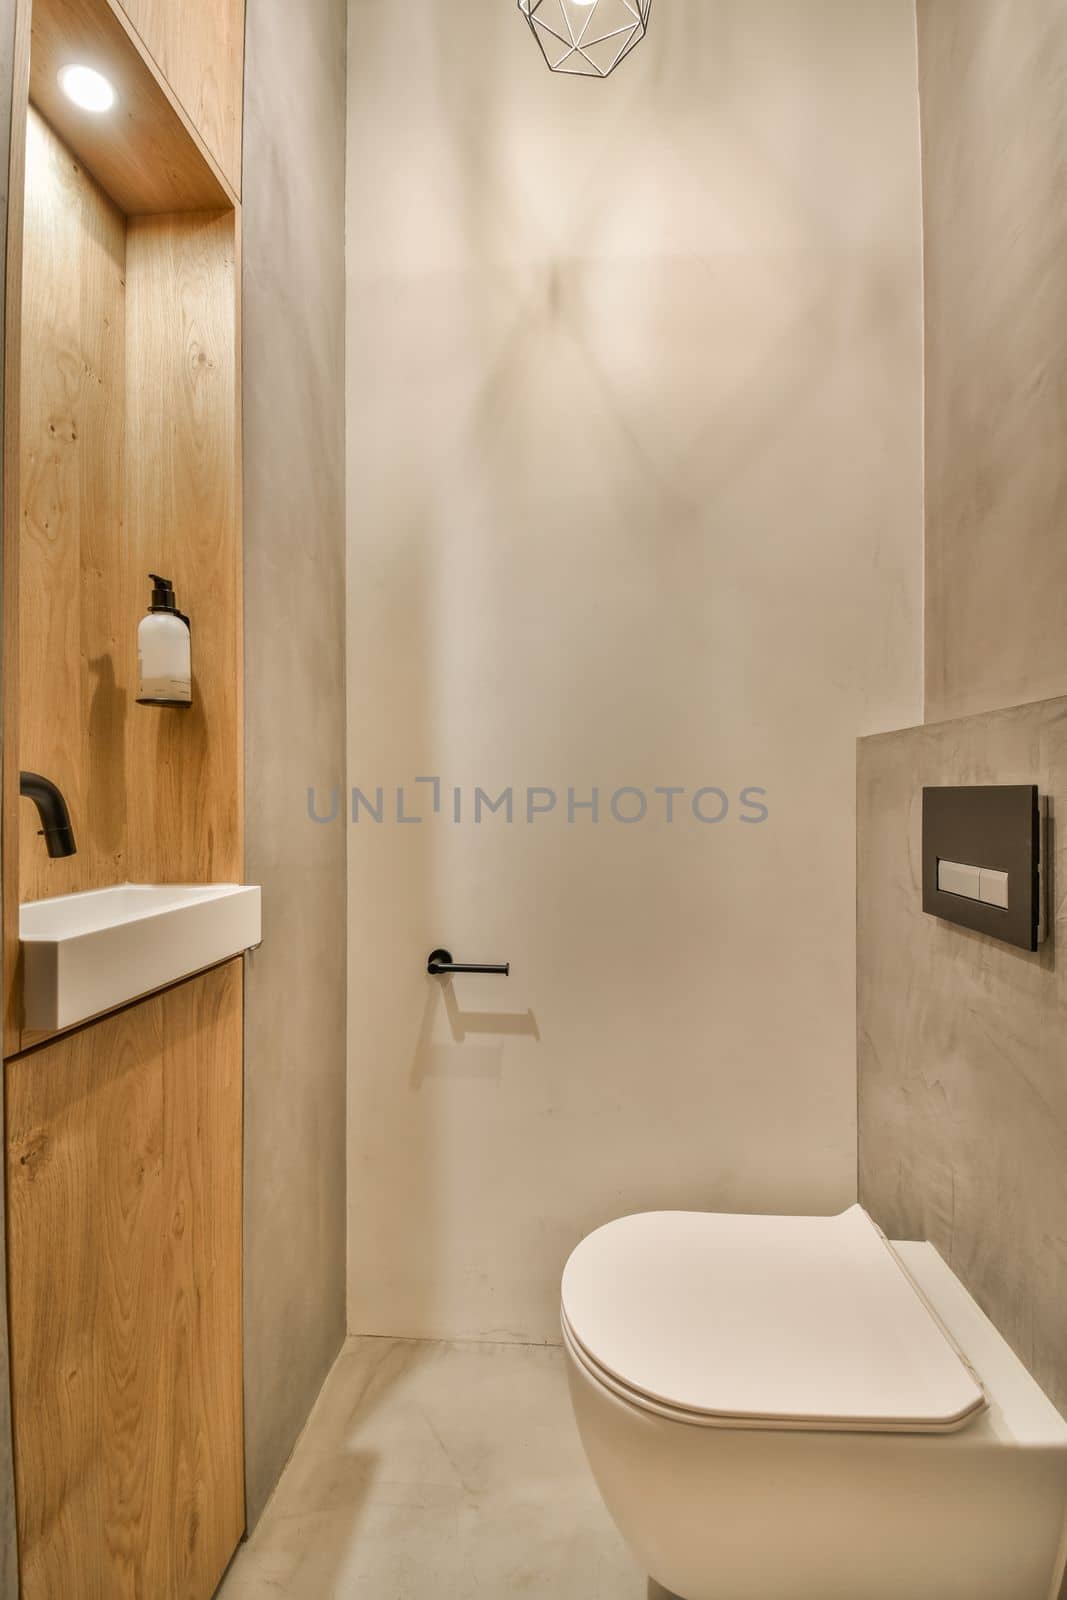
{"points": [[792, 1408]]}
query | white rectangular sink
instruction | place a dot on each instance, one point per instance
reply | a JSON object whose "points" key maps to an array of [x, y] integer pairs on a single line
{"points": [[88, 953]]}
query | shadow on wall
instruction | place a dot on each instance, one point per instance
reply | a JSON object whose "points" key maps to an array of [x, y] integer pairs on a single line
{"points": [[434, 1059], [576, 292]]}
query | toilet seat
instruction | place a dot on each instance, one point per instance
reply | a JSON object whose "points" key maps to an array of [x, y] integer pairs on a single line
{"points": [[805, 1323]]}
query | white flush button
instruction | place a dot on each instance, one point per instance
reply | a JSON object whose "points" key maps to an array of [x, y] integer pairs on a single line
{"points": [[955, 878], [993, 888]]}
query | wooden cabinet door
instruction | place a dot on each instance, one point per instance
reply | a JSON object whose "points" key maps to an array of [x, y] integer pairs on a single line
{"points": [[123, 1157]]}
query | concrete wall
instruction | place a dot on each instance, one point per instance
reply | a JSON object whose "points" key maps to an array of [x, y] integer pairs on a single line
{"points": [[295, 727], [634, 451], [994, 133], [963, 1041]]}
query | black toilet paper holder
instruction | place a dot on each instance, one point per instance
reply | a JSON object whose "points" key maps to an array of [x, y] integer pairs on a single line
{"points": [[441, 965]]}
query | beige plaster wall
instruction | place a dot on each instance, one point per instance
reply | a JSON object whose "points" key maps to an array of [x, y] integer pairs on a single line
{"points": [[634, 434]]}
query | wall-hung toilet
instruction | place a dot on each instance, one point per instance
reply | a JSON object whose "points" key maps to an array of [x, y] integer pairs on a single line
{"points": [[791, 1408]]}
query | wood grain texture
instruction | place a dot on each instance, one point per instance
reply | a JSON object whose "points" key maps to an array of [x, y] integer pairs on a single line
{"points": [[201, 1414], [199, 47], [76, 613], [14, 91], [10, 676], [123, 1176], [183, 520], [128, 463], [145, 152]]}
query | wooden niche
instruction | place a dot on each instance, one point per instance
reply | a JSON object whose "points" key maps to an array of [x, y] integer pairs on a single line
{"points": [[127, 457]]}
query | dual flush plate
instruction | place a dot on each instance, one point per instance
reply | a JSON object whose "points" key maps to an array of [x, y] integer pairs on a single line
{"points": [[983, 853]]}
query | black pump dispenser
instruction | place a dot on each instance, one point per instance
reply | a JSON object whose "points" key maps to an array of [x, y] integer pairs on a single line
{"points": [[163, 594]]}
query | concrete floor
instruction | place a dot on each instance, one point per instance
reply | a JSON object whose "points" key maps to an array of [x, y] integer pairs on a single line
{"points": [[438, 1472]]}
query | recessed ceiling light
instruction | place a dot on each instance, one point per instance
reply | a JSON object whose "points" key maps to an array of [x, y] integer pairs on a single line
{"points": [[88, 88]]}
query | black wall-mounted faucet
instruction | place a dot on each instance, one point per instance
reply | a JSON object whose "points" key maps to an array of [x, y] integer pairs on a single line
{"points": [[52, 810]]}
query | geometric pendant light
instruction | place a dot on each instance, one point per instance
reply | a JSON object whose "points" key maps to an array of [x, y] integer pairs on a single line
{"points": [[586, 37]]}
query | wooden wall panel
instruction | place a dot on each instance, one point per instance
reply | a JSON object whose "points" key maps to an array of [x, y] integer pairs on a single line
{"points": [[14, 76], [183, 521], [124, 1185], [129, 465], [198, 46], [76, 623], [10, 672], [201, 1413]]}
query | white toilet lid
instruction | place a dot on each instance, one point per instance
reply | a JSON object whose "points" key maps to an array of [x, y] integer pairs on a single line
{"points": [[804, 1322]]}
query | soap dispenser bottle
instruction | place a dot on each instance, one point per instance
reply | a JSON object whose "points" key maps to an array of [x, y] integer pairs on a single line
{"points": [[164, 657]]}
